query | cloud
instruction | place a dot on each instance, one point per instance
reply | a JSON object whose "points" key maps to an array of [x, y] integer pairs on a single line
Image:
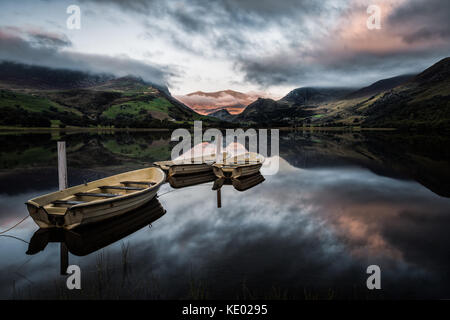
{"points": [[410, 40], [423, 20], [37, 47], [287, 44]]}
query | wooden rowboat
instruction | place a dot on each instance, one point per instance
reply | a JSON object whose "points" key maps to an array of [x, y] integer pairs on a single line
{"points": [[87, 239], [173, 168], [188, 166], [182, 181], [239, 166], [97, 200]]}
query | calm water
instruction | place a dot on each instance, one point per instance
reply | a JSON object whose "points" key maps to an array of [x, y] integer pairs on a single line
{"points": [[339, 203]]}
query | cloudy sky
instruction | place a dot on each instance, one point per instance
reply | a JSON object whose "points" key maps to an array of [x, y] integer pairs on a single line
{"points": [[245, 45]]}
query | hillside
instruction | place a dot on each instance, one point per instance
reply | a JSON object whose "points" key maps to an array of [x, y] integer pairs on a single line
{"points": [[308, 96], [380, 86], [406, 101], [424, 101], [65, 97], [269, 111], [223, 115]]}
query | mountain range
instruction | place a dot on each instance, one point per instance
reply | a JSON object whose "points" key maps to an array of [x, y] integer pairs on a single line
{"points": [[39, 96], [33, 96], [405, 101]]}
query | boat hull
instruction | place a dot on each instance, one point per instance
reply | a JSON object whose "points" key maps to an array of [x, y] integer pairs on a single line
{"points": [[236, 171], [88, 239], [185, 169], [94, 211]]}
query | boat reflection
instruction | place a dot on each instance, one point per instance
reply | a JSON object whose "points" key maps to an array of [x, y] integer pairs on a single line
{"points": [[240, 184], [87, 239], [182, 181]]}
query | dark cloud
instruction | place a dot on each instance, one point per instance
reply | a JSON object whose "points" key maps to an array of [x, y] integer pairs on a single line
{"points": [[423, 20], [45, 50], [224, 25], [292, 42], [357, 69], [423, 26], [42, 39]]}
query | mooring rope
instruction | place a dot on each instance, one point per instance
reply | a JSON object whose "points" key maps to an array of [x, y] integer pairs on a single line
{"points": [[14, 237], [15, 225], [197, 185]]}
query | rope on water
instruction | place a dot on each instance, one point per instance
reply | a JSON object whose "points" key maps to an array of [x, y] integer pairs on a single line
{"points": [[160, 195], [198, 185], [14, 237], [14, 225]]}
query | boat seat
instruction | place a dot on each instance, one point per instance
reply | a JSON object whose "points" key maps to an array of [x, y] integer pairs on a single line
{"points": [[139, 182], [121, 188], [100, 195], [67, 202]]}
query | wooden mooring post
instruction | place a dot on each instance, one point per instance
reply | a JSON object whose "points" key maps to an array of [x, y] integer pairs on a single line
{"points": [[62, 178], [219, 198], [219, 149]]}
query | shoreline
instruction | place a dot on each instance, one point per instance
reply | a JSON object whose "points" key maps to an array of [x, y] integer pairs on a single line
{"points": [[12, 129]]}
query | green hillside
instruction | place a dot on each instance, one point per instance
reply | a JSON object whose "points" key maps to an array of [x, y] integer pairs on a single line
{"points": [[85, 100]]}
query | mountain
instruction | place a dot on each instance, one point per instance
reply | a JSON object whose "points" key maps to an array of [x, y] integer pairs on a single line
{"points": [[406, 101], [422, 102], [380, 86], [207, 102], [223, 115], [66, 97], [308, 96], [21, 76], [269, 111]]}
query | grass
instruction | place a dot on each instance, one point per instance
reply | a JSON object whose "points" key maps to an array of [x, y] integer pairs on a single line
{"points": [[32, 103], [135, 108]]}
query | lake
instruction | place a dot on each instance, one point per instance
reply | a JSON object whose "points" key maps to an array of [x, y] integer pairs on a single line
{"points": [[340, 202]]}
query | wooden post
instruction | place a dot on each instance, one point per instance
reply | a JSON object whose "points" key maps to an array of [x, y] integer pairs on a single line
{"points": [[64, 258], [62, 177], [62, 165], [219, 148], [219, 198]]}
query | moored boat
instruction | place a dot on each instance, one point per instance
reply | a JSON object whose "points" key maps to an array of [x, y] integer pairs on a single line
{"points": [[182, 181], [183, 167], [188, 166], [97, 200], [87, 239], [239, 166]]}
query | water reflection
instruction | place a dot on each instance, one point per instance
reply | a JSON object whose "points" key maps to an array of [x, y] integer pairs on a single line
{"points": [[340, 202]]}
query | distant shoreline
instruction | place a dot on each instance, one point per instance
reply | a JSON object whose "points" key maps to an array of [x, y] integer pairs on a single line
{"points": [[5, 129]]}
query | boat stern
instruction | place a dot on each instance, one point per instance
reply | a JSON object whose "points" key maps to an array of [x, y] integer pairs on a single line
{"points": [[39, 215]]}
